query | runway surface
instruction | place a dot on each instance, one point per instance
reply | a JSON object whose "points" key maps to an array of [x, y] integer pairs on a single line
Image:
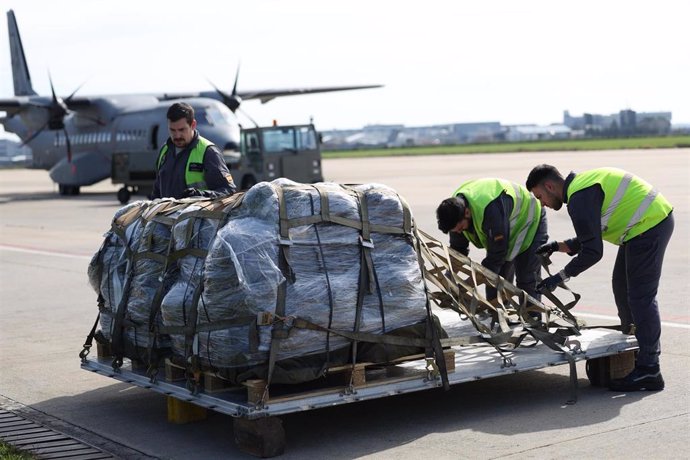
{"points": [[47, 309]]}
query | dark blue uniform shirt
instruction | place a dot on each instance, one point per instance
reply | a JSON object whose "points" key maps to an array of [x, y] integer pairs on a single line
{"points": [[170, 177]]}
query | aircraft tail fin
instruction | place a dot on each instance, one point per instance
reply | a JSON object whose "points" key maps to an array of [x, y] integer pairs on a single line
{"points": [[20, 70]]}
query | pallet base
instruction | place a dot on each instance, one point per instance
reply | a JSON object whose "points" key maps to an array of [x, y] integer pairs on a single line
{"points": [[601, 371], [181, 412]]}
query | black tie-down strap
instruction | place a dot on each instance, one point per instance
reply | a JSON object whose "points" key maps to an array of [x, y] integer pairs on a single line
{"points": [[569, 348]]}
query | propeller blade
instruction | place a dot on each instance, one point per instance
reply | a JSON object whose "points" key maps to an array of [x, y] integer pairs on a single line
{"points": [[237, 77], [247, 115], [218, 90], [232, 101], [52, 88], [69, 98], [33, 136], [69, 146]]}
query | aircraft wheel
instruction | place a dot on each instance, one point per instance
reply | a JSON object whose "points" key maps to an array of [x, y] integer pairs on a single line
{"points": [[123, 195], [68, 189]]}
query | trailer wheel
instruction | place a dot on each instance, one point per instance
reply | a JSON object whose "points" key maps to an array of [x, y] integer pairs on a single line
{"points": [[123, 195], [598, 371], [263, 437]]}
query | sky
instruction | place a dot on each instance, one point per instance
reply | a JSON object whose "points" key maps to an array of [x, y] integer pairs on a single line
{"points": [[455, 61]]}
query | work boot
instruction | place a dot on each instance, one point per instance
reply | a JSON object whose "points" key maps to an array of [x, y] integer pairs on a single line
{"points": [[641, 378]]}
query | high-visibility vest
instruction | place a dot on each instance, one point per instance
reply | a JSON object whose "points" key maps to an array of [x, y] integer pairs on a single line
{"points": [[193, 179], [631, 205], [523, 221]]}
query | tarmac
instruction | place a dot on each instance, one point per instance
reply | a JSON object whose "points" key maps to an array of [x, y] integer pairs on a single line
{"points": [[47, 308]]}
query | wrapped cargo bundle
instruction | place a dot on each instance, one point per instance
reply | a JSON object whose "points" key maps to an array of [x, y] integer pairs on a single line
{"points": [[191, 236], [146, 283], [127, 273], [280, 283], [109, 266], [326, 253]]}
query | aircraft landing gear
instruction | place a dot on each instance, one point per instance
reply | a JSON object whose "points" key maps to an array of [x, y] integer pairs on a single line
{"points": [[123, 195], [68, 190]]}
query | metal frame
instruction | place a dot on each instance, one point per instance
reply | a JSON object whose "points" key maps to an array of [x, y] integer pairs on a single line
{"points": [[471, 363]]}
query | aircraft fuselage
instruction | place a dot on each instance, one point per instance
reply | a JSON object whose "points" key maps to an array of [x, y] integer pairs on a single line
{"points": [[140, 130]]}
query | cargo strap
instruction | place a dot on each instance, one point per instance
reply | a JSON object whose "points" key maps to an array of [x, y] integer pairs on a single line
{"points": [[89, 340], [279, 332], [433, 350], [462, 294]]}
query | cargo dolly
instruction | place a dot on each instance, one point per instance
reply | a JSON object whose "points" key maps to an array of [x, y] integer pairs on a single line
{"points": [[259, 431], [454, 282]]}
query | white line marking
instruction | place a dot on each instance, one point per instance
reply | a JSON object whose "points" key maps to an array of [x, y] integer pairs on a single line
{"points": [[615, 318], [44, 252]]}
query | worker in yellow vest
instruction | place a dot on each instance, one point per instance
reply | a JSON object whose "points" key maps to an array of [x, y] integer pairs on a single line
{"points": [[188, 164], [503, 218], [613, 205]]}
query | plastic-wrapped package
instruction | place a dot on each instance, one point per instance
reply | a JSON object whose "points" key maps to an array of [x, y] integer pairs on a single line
{"points": [[220, 277], [146, 281], [242, 273], [179, 304], [108, 268]]}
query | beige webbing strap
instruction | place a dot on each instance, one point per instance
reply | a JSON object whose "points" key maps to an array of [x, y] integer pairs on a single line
{"points": [[407, 216], [279, 330]]}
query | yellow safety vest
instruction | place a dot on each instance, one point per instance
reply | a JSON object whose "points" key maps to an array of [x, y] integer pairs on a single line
{"points": [[193, 179], [631, 205], [524, 219]]}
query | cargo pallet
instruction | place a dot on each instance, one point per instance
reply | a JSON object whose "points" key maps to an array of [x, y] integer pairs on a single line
{"points": [[259, 431]]}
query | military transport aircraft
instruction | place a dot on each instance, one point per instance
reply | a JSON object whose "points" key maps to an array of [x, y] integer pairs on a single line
{"points": [[74, 137]]}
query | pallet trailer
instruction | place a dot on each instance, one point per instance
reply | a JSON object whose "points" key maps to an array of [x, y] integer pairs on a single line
{"points": [[484, 340], [258, 429]]}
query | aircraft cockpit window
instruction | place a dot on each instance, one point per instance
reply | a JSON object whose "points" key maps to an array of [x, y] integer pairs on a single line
{"points": [[217, 115], [204, 117]]}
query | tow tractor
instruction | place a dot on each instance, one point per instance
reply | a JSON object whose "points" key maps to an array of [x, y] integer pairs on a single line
{"points": [[266, 153]]}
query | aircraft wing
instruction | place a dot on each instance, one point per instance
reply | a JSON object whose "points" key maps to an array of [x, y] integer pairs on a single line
{"points": [[265, 95], [11, 106], [268, 94]]}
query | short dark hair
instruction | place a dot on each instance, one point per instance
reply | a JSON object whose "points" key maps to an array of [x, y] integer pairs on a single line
{"points": [[541, 173], [180, 110], [450, 212]]}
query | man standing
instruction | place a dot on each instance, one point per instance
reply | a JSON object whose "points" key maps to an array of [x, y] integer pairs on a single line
{"points": [[616, 206], [188, 164], [505, 219]]}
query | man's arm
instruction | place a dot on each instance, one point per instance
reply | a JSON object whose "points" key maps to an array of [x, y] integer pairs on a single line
{"points": [[216, 173], [156, 193], [584, 207], [496, 226], [459, 243]]}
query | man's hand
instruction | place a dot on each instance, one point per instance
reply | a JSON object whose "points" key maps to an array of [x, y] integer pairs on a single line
{"points": [[195, 192], [547, 249], [550, 283], [191, 192]]}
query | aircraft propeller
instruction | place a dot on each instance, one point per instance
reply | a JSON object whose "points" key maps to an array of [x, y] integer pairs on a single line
{"points": [[233, 100], [57, 111]]}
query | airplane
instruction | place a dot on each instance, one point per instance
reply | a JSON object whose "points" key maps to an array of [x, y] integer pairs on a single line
{"points": [[74, 137]]}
